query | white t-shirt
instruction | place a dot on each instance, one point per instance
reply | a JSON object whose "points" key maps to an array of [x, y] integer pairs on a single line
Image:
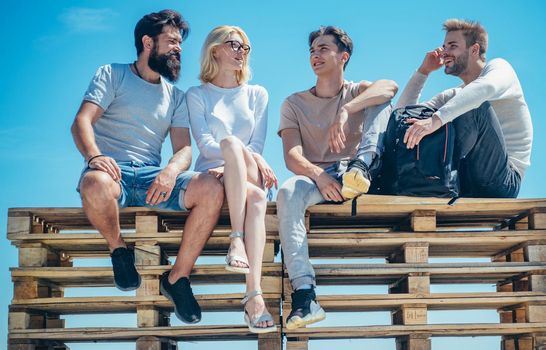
{"points": [[216, 113], [498, 84]]}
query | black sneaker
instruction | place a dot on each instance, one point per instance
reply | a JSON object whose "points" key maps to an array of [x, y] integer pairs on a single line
{"points": [[186, 307], [356, 179], [126, 276], [305, 309]]}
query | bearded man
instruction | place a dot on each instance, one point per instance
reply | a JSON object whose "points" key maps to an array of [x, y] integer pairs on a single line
{"points": [[494, 132], [121, 125]]}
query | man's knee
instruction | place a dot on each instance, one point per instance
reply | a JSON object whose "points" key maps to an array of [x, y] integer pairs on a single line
{"points": [[98, 183], [293, 188], [205, 189]]}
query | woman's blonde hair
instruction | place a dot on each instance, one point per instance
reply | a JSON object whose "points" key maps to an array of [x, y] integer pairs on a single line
{"points": [[217, 37]]}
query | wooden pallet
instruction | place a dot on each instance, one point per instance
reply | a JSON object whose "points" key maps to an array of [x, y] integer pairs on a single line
{"points": [[404, 231]]}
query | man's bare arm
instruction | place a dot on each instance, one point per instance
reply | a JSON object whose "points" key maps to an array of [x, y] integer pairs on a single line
{"points": [[373, 94], [181, 143], [84, 138]]}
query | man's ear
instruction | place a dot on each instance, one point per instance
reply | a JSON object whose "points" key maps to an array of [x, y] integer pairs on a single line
{"points": [[475, 50], [147, 42], [345, 56]]}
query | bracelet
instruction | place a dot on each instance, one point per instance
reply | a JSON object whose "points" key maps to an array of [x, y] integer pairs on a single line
{"points": [[90, 159]]}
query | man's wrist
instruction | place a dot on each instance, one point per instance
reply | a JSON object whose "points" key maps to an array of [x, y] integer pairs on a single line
{"points": [[436, 120], [91, 158], [315, 173], [423, 71], [172, 168]]}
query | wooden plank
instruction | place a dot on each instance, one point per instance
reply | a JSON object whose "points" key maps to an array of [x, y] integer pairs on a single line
{"points": [[325, 273], [435, 330], [332, 274], [126, 304], [103, 276], [179, 333], [330, 243], [204, 333]]}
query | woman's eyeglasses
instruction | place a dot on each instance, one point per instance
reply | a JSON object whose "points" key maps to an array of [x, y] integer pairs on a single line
{"points": [[237, 46]]}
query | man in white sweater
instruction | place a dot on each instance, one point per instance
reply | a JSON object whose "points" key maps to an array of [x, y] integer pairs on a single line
{"points": [[493, 126]]}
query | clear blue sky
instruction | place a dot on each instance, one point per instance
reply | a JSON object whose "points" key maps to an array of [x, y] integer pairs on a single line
{"points": [[52, 49]]}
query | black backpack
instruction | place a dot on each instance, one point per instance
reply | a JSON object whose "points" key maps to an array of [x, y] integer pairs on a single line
{"points": [[427, 169]]}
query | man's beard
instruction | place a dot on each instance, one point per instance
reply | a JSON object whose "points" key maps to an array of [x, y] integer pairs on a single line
{"points": [[167, 65], [459, 65]]}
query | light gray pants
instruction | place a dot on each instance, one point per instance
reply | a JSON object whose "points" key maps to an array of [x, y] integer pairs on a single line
{"points": [[300, 192]]}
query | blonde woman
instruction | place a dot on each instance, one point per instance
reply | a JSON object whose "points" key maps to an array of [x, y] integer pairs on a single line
{"points": [[228, 120]]}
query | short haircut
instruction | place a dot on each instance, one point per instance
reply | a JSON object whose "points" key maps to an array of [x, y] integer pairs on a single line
{"points": [[153, 23], [209, 67], [473, 32], [342, 40]]}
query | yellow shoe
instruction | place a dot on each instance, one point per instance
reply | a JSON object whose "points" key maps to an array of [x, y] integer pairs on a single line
{"points": [[356, 180]]}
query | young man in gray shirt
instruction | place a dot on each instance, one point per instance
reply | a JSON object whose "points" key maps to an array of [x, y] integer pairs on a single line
{"points": [[124, 118], [494, 133]]}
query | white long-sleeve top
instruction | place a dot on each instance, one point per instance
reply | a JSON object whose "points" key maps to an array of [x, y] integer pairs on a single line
{"points": [[216, 113], [498, 84]]}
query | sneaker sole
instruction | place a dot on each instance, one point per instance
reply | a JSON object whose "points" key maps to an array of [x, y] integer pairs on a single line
{"points": [[354, 184], [166, 295], [298, 322]]}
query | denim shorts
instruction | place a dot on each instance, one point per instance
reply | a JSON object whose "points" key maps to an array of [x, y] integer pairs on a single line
{"points": [[137, 177]]}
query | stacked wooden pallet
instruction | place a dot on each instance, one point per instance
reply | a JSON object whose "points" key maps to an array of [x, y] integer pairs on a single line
{"points": [[406, 232], [403, 231], [49, 239]]}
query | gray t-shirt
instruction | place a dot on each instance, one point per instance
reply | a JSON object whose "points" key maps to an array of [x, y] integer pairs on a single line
{"points": [[137, 114]]}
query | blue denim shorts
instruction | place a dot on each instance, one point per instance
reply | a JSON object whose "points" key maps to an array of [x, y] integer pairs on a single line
{"points": [[137, 177]]}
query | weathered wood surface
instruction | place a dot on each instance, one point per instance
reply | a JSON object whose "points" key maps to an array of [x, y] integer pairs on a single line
{"points": [[204, 333], [103, 276]]}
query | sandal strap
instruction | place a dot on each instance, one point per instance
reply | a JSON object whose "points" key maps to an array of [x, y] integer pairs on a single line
{"points": [[237, 234], [263, 318], [251, 295]]}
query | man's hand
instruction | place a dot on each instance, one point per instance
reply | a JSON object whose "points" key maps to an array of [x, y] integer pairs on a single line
{"points": [[336, 135], [161, 188], [329, 187], [419, 129], [108, 165], [217, 172], [433, 60]]}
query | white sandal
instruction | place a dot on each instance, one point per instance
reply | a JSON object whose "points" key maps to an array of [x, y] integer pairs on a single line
{"points": [[231, 258], [266, 316]]}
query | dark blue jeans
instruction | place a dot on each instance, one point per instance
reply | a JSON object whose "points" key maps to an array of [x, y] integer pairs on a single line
{"points": [[484, 170]]}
